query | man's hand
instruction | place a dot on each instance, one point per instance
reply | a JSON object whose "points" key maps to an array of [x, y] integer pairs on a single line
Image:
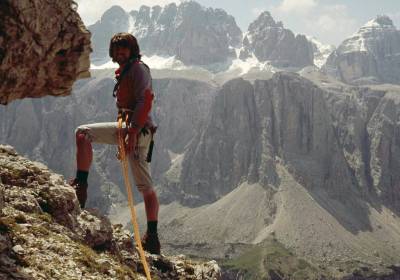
{"points": [[132, 140]]}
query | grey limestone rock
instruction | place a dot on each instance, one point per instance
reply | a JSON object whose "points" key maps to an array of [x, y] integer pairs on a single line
{"points": [[44, 48], [270, 41], [253, 125], [370, 56]]}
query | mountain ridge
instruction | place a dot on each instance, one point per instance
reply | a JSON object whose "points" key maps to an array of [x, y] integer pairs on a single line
{"points": [[155, 27], [265, 47], [370, 56]]}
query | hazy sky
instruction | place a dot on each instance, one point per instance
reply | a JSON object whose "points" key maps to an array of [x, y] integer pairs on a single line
{"points": [[330, 21]]}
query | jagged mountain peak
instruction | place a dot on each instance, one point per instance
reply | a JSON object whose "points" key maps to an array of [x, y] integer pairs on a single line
{"points": [[189, 32], [321, 51], [144, 11], [155, 12], [371, 55], [265, 19], [380, 21], [113, 12], [366, 38], [268, 40], [191, 5]]}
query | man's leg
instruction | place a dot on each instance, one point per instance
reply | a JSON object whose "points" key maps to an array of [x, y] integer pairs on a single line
{"points": [[84, 152], [85, 135], [151, 204], [84, 156], [150, 240], [141, 174]]}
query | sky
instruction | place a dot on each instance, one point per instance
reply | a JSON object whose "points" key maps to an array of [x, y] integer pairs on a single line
{"points": [[329, 21]]}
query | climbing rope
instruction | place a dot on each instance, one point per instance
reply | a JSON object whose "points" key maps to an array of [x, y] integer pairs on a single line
{"points": [[124, 162]]}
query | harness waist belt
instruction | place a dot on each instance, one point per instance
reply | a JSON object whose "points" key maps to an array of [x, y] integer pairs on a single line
{"points": [[125, 110]]}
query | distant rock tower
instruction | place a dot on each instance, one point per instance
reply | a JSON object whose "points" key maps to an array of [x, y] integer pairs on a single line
{"points": [[370, 56]]}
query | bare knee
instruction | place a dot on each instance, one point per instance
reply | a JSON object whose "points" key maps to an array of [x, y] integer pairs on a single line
{"points": [[81, 137]]}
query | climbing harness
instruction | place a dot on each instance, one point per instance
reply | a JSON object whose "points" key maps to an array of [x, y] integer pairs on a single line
{"points": [[123, 117]]}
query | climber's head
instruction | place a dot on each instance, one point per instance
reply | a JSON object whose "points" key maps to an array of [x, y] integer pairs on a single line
{"points": [[123, 47]]}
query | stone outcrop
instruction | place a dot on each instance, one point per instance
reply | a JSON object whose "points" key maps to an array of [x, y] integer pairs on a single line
{"points": [[44, 233], [193, 34], [270, 41], [44, 48], [370, 56]]}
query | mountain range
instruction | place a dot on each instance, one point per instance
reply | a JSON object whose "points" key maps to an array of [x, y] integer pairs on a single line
{"points": [[201, 36], [189, 36]]}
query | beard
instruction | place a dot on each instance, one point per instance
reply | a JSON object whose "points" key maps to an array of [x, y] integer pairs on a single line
{"points": [[121, 59]]}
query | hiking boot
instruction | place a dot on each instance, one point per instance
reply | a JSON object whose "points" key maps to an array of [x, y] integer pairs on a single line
{"points": [[80, 190], [151, 244]]}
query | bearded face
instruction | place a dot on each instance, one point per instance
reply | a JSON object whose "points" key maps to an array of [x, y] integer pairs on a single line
{"points": [[121, 55]]}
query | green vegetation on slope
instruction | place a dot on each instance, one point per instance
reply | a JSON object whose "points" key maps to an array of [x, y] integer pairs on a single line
{"points": [[271, 260]]}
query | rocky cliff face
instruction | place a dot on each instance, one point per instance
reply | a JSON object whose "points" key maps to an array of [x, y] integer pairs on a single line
{"points": [[193, 34], [321, 51], [45, 234], [251, 126], [44, 48], [312, 164], [345, 134], [367, 132], [270, 41], [370, 56]]}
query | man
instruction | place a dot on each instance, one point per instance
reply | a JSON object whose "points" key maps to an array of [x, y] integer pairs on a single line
{"points": [[133, 93]]}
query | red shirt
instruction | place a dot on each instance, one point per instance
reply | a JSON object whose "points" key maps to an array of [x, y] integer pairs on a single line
{"points": [[135, 93]]}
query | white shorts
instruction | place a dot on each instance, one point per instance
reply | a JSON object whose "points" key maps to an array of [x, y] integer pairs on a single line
{"points": [[107, 133]]}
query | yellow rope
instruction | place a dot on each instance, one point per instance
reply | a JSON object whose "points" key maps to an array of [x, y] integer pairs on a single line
{"points": [[124, 162]]}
